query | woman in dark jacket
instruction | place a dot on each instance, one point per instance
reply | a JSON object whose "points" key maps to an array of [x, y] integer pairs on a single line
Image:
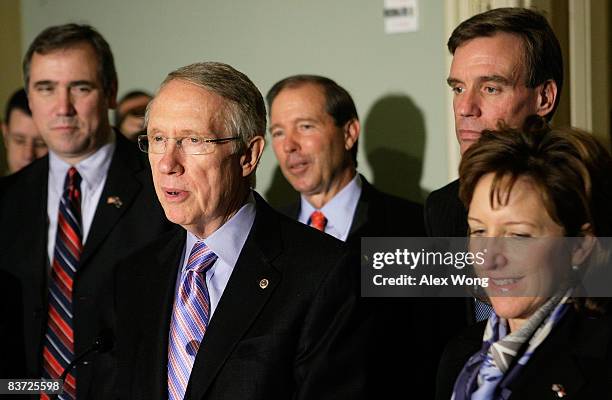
{"points": [[544, 195]]}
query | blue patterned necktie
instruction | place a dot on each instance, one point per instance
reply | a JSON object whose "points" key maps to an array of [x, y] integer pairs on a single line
{"points": [[189, 319], [482, 311], [58, 351]]}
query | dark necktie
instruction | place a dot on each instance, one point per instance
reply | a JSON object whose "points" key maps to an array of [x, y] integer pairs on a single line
{"points": [[482, 310], [59, 338]]}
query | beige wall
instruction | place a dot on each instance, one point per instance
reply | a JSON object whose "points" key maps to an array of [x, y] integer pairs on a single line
{"points": [[397, 81], [10, 48]]}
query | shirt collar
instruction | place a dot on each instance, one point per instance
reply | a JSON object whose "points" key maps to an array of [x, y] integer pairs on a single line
{"points": [[340, 209], [92, 169], [227, 241]]}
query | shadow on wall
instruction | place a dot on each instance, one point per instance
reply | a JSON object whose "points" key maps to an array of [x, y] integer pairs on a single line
{"points": [[394, 143], [280, 192]]}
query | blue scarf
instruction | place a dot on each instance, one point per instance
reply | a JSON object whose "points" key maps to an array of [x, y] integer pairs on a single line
{"points": [[487, 373]]}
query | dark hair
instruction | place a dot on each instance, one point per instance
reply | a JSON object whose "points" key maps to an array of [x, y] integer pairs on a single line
{"points": [[133, 94], [570, 168], [542, 52], [70, 35], [338, 102], [18, 101]]}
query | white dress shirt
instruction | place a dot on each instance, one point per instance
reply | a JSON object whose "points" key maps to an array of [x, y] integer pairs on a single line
{"points": [[93, 171]]}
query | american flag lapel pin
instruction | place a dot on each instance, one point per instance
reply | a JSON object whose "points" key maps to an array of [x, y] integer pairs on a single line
{"points": [[559, 390], [115, 201]]}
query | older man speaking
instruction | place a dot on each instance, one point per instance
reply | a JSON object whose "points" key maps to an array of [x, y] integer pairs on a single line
{"points": [[239, 301]]}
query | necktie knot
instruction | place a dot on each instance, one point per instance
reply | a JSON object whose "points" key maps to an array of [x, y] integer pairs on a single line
{"points": [[73, 179], [201, 258], [318, 220], [72, 185]]}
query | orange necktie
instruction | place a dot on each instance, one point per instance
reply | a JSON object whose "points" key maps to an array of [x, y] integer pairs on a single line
{"points": [[318, 220]]}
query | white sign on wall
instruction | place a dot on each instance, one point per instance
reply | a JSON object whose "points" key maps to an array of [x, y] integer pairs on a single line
{"points": [[401, 16]]}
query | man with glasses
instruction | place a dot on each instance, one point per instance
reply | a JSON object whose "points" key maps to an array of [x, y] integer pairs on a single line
{"points": [[68, 218], [238, 302], [22, 141]]}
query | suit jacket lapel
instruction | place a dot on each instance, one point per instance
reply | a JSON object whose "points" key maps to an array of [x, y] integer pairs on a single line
{"points": [[157, 295], [566, 358], [242, 300], [363, 210], [122, 182]]}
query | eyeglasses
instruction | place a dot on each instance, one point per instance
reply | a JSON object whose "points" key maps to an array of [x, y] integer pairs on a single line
{"points": [[188, 145]]}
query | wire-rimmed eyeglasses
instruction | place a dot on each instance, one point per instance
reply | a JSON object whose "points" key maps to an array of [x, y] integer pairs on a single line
{"points": [[157, 144]]}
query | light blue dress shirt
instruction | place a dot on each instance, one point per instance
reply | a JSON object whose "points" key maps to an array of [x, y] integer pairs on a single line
{"points": [[339, 211], [226, 242]]}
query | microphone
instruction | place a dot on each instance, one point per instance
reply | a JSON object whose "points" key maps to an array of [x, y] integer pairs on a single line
{"points": [[100, 345]]}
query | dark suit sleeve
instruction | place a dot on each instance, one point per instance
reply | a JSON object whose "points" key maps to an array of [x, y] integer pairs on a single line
{"points": [[457, 353], [12, 356], [330, 363]]}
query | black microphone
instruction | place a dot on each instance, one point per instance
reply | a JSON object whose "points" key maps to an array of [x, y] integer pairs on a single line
{"points": [[101, 344]]}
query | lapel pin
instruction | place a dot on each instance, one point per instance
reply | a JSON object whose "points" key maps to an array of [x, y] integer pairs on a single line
{"points": [[114, 200], [559, 389], [263, 283]]}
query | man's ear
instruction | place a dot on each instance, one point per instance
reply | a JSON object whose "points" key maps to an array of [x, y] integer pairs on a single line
{"points": [[250, 158], [4, 132], [547, 95], [351, 133], [583, 246]]}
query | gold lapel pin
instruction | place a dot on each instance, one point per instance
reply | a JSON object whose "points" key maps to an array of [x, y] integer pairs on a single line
{"points": [[559, 389], [264, 283], [114, 200]]}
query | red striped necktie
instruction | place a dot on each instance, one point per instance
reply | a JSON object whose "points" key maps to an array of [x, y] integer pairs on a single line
{"points": [[59, 338]]}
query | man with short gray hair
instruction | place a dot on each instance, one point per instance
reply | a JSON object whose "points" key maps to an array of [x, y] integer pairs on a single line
{"points": [[238, 301]]}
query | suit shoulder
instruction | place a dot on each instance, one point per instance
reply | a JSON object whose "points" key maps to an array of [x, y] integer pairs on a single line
{"points": [[299, 236], [290, 210], [163, 242], [28, 179], [405, 206], [445, 194]]}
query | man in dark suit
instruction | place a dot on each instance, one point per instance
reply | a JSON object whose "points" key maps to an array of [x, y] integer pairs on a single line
{"points": [[70, 216], [240, 301], [507, 65], [315, 131]]}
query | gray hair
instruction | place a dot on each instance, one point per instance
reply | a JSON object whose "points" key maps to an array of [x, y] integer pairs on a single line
{"points": [[244, 113]]}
